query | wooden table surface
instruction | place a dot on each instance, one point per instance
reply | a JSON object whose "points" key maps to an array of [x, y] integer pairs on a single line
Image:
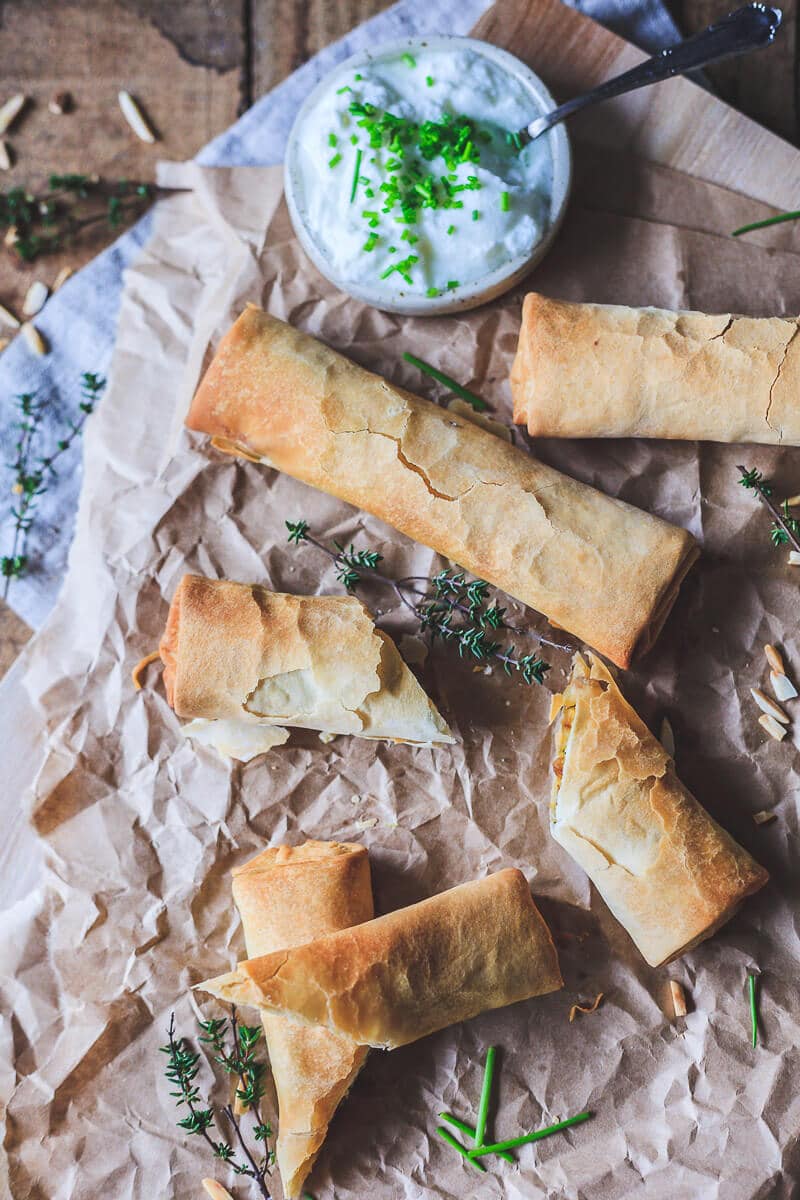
{"points": [[195, 66]]}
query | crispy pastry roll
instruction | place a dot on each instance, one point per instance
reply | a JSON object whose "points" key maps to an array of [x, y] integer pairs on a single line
{"points": [[670, 875], [246, 663], [280, 397], [286, 896], [602, 370], [400, 977]]}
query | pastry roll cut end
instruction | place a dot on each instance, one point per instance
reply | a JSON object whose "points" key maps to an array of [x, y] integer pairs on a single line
{"points": [[668, 872], [395, 979], [246, 663]]}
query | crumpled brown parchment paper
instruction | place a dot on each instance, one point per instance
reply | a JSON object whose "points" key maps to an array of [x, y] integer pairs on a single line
{"points": [[141, 829]]}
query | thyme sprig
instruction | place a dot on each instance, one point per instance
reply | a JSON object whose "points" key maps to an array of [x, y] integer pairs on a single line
{"points": [[182, 1069], [40, 222], [447, 605], [785, 528], [32, 472]]}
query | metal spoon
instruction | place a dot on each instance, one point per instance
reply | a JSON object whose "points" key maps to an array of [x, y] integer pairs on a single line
{"points": [[748, 28]]}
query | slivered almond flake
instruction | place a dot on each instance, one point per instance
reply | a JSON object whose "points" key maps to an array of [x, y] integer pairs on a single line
{"points": [[667, 737], [11, 110], [678, 996], [62, 277], [764, 817], [34, 339], [585, 1008], [366, 823], [793, 501], [794, 558], [775, 659], [11, 237], [6, 159], [8, 318], [556, 704], [769, 706], [782, 686], [35, 298], [4, 341], [776, 731], [135, 118], [59, 103], [216, 1191]]}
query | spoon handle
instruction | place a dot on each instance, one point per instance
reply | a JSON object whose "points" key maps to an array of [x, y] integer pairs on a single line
{"points": [[748, 28]]}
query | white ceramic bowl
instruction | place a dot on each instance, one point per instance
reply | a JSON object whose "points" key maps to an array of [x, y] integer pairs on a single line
{"points": [[391, 297]]}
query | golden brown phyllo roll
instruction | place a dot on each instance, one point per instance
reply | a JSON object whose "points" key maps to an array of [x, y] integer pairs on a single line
{"points": [[287, 896], [668, 872], [400, 977], [603, 370], [278, 396], [247, 663]]}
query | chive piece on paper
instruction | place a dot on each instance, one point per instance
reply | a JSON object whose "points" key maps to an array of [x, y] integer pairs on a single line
{"points": [[454, 1142], [456, 388], [409, 60], [486, 1095], [356, 173], [504, 202], [778, 220], [463, 1127], [527, 1138], [752, 993]]}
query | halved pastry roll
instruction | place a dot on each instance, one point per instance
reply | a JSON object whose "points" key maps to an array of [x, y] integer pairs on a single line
{"points": [[402, 976], [277, 396], [668, 872], [286, 896], [604, 370], [247, 663]]}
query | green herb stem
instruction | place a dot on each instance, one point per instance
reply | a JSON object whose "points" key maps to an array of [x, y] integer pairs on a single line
{"points": [[456, 388], [752, 986], [469, 1130], [526, 1139], [777, 220], [486, 1095], [356, 173], [454, 1142], [786, 527]]}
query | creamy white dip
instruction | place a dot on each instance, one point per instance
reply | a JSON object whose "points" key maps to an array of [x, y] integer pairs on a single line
{"points": [[418, 226]]}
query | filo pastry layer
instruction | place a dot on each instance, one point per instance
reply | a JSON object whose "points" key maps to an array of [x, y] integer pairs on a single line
{"points": [[668, 872], [287, 896], [247, 663], [280, 397], [599, 370], [393, 980]]}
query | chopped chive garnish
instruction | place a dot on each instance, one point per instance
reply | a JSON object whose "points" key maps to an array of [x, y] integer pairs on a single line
{"points": [[451, 230], [409, 60], [452, 284], [358, 78], [369, 193], [475, 214], [355, 176], [393, 249], [504, 202], [454, 1142], [751, 988], [408, 236], [526, 1139], [431, 293], [370, 243], [332, 139], [334, 162], [429, 80], [341, 90], [778, 220], [486, 1095], [477, 403], [463, 1127], [353, 139]]}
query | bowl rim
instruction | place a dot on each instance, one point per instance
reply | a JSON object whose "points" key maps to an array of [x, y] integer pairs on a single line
{"points": [[478, 291]]}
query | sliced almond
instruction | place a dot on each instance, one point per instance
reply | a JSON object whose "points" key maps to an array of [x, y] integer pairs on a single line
{"points": [[135, 118], [678, 996], [8, 318], [782, 686], [6, 159], [793, 501], [667, 737], [776, 731], [764, 817], [775, 659], [769, 706], [62, 277], [34, 339], [556, 704], [585, 1008], [794, 558], [59, 103], [366, 823], [11, 110], [216, 1191], [4, 341], [35, 298], [11, 236]]}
